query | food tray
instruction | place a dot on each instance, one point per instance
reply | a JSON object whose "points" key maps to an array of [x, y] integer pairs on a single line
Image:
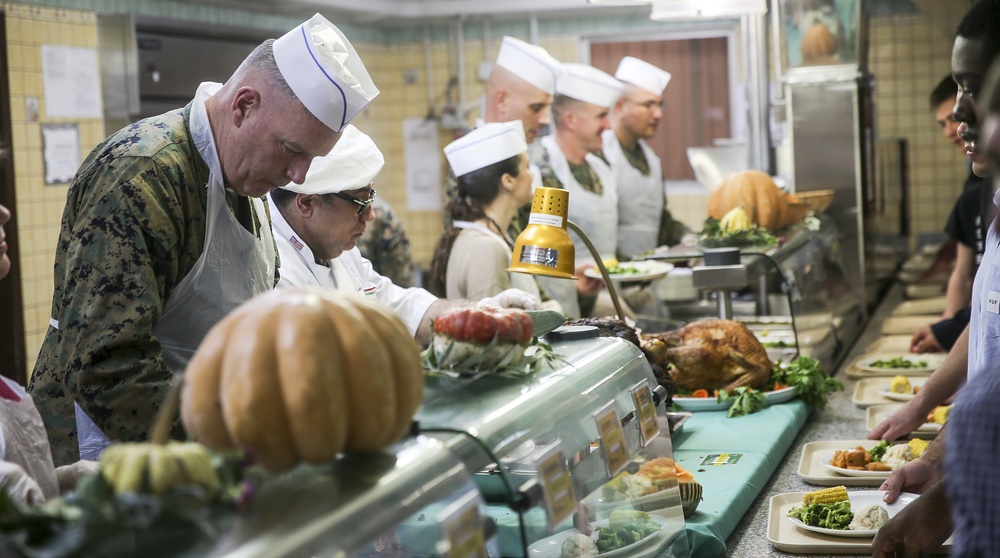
{"points": [[551, 547], [906, 325], [869, 391], [877, 413], [855, 371], [933, 306], [813, 472], [785, 536], [891, 344]]}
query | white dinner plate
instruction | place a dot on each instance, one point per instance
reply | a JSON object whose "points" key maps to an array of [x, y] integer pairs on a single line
{"points": [[859, 499], [884, 391], [551, 547], [647, 271], [825, 461], [710, 404], [932, 362]]}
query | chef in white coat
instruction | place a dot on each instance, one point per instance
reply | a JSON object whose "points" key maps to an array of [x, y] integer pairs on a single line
{"points": [[642, 209], [317, 225], [580, 109]]}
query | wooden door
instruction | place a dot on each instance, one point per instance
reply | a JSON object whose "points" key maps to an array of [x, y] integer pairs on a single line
{"points": [[697, 109], [13, 363]]}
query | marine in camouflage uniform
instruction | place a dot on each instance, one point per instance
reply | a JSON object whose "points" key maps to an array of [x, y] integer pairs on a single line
{"points": [[387, 247], [133, 227]]}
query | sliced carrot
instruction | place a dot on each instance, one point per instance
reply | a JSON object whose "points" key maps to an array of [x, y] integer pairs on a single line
{"points": [[779, 385], [700, 393]]}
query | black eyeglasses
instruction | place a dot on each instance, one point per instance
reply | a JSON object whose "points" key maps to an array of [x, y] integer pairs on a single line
{"points": [[363, 203]]}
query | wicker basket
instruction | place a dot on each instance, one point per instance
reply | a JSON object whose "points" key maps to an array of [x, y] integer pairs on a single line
{"points": [[817, 200]]}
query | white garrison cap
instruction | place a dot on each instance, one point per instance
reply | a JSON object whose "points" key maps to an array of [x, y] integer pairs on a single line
{"points": [[529, 62], [353, 163], [487, 144], [643, 74], [324, 71], [588, 84]]}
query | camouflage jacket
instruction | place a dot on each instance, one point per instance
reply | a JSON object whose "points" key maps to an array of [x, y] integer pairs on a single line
{"points": [[133, 227], [387, 247]]}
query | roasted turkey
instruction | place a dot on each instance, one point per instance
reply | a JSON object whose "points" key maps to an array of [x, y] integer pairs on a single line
{"points": [[713, 354]]}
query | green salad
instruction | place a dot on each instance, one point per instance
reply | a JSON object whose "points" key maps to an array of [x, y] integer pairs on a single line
{"points": [[898, 362], [623, 270], [828, 516]]}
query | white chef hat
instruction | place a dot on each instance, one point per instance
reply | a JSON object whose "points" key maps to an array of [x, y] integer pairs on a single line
{"points": [[529, 62], [324, 71], [588, 84], [643, 74], [487, 144], [353, 163]]}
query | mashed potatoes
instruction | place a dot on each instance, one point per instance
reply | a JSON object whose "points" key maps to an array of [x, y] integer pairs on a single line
{"points": [[897, 456], [869, 518], [579, 546]]}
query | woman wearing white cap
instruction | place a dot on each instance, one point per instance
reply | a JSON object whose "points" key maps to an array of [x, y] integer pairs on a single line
{"points": [[494, 182], [317, 225]]}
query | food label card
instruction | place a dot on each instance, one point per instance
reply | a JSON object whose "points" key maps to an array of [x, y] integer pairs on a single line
{"points": [[649, 428], [560, 498], [722, 459], [463, 528], [609, 429]]}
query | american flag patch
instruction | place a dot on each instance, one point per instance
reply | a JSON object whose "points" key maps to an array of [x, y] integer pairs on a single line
{"points": [[370, 291], [295, 242]]}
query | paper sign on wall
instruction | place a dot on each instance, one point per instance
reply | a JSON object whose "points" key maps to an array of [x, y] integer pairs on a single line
{"points": [[60, 152], [422, 156], [71, 81]]}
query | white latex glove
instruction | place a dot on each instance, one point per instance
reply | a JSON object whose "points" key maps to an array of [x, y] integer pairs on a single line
{"points": [[21, 487], [689, 239], [511, 298], [69, 475]]}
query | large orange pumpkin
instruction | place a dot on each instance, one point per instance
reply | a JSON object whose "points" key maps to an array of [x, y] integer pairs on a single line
{"points": [[818, 45], [756, 193], [301, 375]]}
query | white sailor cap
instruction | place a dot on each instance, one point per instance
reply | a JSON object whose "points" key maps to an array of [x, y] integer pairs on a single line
{"points": [[352, 164], [643, 74], [588, 84], [324, 71], [487, 144], [529, 62]]}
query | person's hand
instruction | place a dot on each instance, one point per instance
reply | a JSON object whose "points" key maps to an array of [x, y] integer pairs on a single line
{"points": [[582, 519], [587, 286], [916, 477], [511, 298], [19, 484], [923, 341], [922, 525], [69, 475], [900, 423]]}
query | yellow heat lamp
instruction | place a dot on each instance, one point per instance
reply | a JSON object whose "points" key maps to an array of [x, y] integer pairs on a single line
{"points": [[545, 248]]}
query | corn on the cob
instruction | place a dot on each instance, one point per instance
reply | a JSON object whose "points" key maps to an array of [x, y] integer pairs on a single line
{"points": [[918, 446], [941, 413], [830, 495], [900, 384], [621, 518]]}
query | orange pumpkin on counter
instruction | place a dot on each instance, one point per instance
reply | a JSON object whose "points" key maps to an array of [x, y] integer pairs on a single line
{"points": [[756, 193], [819, 45], [301, 375]]}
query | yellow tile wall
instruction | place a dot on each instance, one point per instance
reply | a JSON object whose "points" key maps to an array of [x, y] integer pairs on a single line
{"points": [[39, 207], [908, 57]]}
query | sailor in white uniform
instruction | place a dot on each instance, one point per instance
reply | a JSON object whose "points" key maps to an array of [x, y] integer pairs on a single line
{"points": [[318, 223], [643, 220]]}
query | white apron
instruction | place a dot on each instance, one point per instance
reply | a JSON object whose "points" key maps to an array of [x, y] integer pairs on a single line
{"points": [[640, 198], [520, 281], [984, 324], [234, 266], [596, 214]]}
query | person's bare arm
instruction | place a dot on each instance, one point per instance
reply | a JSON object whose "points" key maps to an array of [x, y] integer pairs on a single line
{"points": [[941, 385], [959, 292], [921, 526]]}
